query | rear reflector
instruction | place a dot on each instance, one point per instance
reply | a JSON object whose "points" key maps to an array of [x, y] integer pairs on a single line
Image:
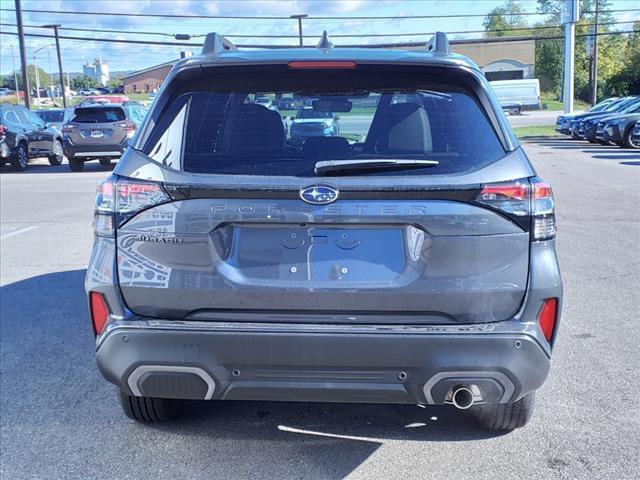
{"points": [[547, 317], [99, 312], [321, 65]]}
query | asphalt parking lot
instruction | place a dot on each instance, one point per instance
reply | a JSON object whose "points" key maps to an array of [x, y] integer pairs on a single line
{"points": [[60, 419]]}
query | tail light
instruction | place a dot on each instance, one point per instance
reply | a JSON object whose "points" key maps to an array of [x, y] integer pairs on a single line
{"points": [[128, 127], [523, 198], [119, 199], [99, 312], [547, 317], [3, 129]]}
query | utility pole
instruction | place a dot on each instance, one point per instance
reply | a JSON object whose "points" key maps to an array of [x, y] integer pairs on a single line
{"points": [[570, 15], [35, 68], [594, 58], [300, 17], [63, 92], [23, 57], [15, 74]]}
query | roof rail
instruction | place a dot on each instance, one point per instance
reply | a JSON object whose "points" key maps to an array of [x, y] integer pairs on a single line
{"points": [[325, 42], [439, 43], [216, 43]]}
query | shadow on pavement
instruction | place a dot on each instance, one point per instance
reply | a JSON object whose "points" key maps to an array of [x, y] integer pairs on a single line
{"points": [[55, 401], [42, 166]]}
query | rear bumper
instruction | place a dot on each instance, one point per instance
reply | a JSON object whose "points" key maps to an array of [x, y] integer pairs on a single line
{"points": [[5, 151], [339, 363], [114, 150]]}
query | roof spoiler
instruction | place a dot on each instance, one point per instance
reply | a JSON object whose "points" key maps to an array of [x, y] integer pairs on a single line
{"points": [[439, 43], [216, 43]]}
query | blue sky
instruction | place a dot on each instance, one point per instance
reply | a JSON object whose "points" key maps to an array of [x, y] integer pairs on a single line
{"points": [[132, 57]]}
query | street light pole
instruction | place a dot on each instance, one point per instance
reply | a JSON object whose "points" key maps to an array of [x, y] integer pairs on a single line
{"points": [[300, 17], [55, 31], [594, 58], [35, 68], [23, 57], [570, 15]]}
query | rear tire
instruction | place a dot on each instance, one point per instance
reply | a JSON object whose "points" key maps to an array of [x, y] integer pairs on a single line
{"points": [[149, 410], [20, 158], [628, 140], [76, 165], [56, 158], [105, 162], [505, 416]]}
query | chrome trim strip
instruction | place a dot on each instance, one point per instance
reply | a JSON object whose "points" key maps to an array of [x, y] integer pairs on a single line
{"points": [[134, 377], [97, 154]]}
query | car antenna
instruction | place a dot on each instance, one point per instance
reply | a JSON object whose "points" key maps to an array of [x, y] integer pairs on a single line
{"points": [[325, 43], [216, 43], [439, 43]]}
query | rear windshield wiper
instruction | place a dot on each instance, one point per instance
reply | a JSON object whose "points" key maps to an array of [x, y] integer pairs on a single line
{"points": [[371, 165]]}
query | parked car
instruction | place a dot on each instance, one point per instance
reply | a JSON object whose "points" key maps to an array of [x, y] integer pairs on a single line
{"points": [[55, 117], [265, 101], [577, 125], [24, 135], [309, 122], [414, 266], [98, 132], [85, 92], [635, 136], [588, 128], [517, 95], [563, 121], [619, 130], [288, 103], [103, 99]]}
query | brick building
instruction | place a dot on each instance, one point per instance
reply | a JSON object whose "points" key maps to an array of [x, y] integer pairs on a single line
{"points": [[498, 59]]}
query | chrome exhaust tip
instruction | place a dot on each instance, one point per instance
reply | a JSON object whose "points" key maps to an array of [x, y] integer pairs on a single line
{"points": [[462, 397]]}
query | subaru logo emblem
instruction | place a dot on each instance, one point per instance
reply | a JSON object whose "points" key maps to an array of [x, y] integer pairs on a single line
{"points": [[319, 194]]}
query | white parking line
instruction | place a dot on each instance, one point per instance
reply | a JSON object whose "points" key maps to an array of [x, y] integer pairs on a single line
{"points": [[18, 232]]}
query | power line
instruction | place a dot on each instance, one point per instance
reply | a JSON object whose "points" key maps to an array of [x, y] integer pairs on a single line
{"points": [[366, 35], [311, 17], [181, 44]]}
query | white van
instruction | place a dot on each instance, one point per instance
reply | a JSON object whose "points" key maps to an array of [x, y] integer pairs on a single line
{"points": [[517, 95]]}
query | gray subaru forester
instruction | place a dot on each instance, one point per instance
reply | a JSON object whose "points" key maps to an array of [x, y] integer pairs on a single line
{"points": [[409, 258]]}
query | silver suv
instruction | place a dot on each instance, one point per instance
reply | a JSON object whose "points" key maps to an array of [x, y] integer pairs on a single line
{"points": [[99, 132], [409, 258]]}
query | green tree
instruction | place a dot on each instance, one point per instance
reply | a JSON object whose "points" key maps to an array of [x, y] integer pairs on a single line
{"points": [[550, 52], [627, 80], [84, 81], [506, 21], [43, 77], [114, 82]]}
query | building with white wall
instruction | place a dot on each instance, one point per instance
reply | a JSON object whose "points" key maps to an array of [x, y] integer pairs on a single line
{"points": [[98, 70]]}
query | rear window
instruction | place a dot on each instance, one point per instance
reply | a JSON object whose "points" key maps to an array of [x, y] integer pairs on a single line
{"points": [[221, 125], [98, 115]]}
